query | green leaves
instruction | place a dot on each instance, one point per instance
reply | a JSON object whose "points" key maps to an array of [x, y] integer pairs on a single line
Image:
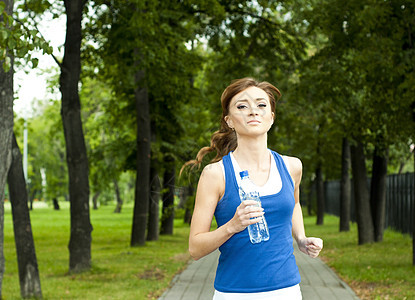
{"points": [[4, 34], [7, 64], [18, 34], [2, 6], [359, 53]]}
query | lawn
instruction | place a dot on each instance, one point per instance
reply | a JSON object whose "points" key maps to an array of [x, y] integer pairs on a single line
{"points": [[375, 271], [118, 270]]}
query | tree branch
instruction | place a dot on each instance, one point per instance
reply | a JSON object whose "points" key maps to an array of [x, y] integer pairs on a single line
{"points": [[53, 56], [41, 35]]}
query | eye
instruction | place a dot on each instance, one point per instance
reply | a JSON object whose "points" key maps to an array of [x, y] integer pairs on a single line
{"points": [[241, 106], [262, 105]]}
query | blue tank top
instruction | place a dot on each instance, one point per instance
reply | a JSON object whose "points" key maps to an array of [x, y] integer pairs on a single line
{"points": [[251, 268]]}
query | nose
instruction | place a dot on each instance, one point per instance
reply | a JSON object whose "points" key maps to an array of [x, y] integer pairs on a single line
{"points": [[254, 111]]}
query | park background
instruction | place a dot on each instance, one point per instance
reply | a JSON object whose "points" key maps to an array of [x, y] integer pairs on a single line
{"points": [[134, 92]]}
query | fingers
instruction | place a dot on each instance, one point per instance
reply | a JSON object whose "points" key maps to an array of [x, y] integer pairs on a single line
{"points": [[251, 209], [312, 251], [314, 246], [247, 203], [248, 213]]}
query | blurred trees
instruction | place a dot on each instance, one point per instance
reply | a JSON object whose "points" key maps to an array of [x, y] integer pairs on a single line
{"points": [[149, 69], [47, 153], [152, 75], [361, 66]]}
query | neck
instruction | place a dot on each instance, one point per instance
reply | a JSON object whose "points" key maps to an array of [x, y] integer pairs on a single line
{"points": [[252, 153]]}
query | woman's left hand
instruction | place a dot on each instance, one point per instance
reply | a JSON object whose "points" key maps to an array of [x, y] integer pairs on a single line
{"points": [[311, 246]]}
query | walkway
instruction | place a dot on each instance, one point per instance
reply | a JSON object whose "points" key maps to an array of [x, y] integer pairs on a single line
{"points": [[318, 281]]}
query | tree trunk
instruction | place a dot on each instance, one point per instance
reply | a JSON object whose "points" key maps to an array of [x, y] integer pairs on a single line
{"points": [[345, 188], [189, 204], [55, 204], [31, 199], [25, 246], [76, 156], [154, 199], [320, 195], [6, 134], [142, 184], [310, 198], [378, 191], [361, 193], [167, 219], [183, 195], [95, 200], [413, 216], [118, 197]]}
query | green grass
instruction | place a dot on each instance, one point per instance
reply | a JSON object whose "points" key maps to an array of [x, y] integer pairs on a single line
{"points": [[375, 271], [118, 270]]}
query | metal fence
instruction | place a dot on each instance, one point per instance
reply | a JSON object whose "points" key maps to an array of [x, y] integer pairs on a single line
{"points": [[400, 202]]}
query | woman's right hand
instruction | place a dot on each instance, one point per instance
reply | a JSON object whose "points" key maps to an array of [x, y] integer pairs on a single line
{"points": [[247, 213]]}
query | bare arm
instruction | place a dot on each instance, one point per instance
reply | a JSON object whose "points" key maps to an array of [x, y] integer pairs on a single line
{"points": [[210, 189], [310, 246]]}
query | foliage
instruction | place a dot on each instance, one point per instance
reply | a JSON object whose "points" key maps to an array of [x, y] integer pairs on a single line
{"points": [[46, 152], [344, 69], [158, 50], [245, 39], [103, 142], [348, 84], [20, 36]]}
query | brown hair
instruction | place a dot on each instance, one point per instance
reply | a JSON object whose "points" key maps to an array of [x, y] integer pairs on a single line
{"points": [[224, 140]]}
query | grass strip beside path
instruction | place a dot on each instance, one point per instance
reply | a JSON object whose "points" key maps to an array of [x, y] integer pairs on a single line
{"points": [[374, 271], [118, 270]]}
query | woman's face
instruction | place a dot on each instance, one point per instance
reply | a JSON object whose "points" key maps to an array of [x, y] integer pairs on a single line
{"points": [[250, 112]]}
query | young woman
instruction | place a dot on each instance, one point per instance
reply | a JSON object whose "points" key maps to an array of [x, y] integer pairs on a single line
{"points": [[266, 270]]}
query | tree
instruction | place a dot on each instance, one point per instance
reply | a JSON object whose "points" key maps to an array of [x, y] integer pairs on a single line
{"points": [[135, 69], [105, 135], [378, 191], [154, 199], [361, 194], [6, 117], [16, 41], [76, 156], [142, 188], [167, 220], [361, 51], [345, 193], [25, 246], [46, 145]]}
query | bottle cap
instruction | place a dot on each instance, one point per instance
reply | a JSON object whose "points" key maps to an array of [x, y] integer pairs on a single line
{"points": [[244, 174]]}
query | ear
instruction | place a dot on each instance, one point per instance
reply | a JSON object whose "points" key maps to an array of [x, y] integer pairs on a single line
{"points": [[273, 117], [229, 122]]}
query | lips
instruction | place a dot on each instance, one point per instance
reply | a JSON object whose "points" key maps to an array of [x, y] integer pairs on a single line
{"points": [[254, 122]]}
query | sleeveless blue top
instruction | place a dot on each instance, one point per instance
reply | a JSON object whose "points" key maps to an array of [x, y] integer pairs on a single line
{"points": [[251, 268]]}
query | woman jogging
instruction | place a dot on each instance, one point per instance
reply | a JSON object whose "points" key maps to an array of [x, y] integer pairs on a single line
{"points": [[265, 270]]}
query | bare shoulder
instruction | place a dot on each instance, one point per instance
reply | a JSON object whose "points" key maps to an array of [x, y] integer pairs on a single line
{"points": [[212, 171], [293, 163], [295, 167], [212, 181]]}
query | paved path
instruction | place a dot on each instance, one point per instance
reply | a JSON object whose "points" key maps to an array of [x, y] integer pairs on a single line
{"points": [[318, 281]]}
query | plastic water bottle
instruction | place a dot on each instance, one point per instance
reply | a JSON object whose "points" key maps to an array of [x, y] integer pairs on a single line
{"points": [[258, 232]]}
